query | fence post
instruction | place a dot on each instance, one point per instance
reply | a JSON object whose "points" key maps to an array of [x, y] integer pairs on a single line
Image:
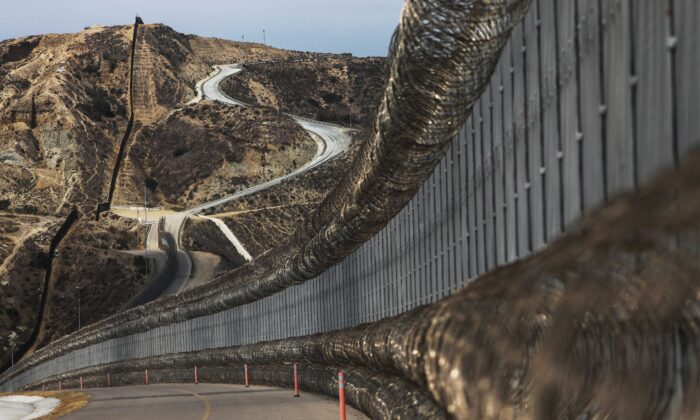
{"points": [[196, 376], [146, 376], [296, 381], [341, 394], [246, 374]]}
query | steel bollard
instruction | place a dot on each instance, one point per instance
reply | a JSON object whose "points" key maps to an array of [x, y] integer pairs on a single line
{"points": [[341, 394], [296, 382]]}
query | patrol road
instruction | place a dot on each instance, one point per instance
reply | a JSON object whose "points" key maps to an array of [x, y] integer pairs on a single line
{"points": [[206, 402]]}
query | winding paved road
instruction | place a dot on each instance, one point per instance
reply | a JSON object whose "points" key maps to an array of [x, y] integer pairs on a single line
{"points": [[206, 402], [331, 140]]}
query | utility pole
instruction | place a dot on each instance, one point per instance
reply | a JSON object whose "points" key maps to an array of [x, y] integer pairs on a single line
{"points": [[78, 289], [145, 210], [12, 341], [264, 37]]}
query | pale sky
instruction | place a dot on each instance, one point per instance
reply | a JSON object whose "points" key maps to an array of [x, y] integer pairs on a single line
{"points": [[362, 27]]}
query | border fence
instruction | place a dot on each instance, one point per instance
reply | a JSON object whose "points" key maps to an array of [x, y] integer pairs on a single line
{"points": [[590, 99]]}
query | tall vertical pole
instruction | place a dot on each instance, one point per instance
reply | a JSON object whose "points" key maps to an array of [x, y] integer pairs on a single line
{"points": [[341, 394], [145, 211], [145, 205], [264, 37], [296, 382], [78, 289], [246, 375]]}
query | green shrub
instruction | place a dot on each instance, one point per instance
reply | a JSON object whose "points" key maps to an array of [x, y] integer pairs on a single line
{"points": [[98, 107]]}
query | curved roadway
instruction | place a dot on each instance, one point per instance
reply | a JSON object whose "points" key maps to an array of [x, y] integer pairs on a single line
{"points": [[206, 402], [331, 140]]}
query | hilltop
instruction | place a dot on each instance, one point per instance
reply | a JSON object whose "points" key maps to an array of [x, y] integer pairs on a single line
{"points": [[65, 106]]}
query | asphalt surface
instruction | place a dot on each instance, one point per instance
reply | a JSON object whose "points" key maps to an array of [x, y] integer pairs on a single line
{"points": [[206, 402], [331, 140], [182, 275]]}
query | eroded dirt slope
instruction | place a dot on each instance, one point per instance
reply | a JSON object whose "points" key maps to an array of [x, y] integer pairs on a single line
{"points": [[338, 89], [62, 104], [262, 220], [24, 247], [91, 257], [64, 107], [210, 150]]}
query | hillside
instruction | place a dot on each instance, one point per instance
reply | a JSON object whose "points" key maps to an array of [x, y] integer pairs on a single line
{"points": [[209, 150], [65, 104], [62, 104], [24, 247], [338, 89]]}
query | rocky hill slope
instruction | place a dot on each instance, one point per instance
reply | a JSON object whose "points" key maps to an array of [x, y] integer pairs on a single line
{"points": [[209, 150], [338, 89], [65, 103]]}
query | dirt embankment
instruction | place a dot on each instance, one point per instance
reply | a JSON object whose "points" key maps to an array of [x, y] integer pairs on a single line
{"points": [[338, 89], [63, 113], [201, 234], [62, 105], [262, 220], [24, 247], [211, 150], [91, 257]]}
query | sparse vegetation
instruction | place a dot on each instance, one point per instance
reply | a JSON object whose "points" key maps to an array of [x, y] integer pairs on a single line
{"points": [[335, 89], [61, 120], [99, 105]]}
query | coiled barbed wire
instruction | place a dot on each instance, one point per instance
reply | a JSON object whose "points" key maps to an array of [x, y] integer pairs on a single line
{"points": [[602, 324], [442, 55]]}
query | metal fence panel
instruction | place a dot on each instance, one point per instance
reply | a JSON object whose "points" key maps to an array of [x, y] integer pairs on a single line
{"points": [[653, 99], [552, 151], [535, 136], [520, 133], [617, 65], [569, 111], [509, 156], [592, 136], [687, 56]]}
